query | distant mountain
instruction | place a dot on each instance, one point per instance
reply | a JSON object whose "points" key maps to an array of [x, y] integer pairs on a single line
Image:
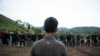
{"points": [[85, 29], [63, 29]]}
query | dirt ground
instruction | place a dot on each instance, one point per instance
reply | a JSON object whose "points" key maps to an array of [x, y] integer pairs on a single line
{"points": [[71, 51], [83, 51]]}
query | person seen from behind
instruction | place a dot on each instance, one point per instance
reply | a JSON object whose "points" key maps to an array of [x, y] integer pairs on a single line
{"points": [[49, 46]]}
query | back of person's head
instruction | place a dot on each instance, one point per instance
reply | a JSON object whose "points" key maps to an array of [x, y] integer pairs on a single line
{"points": [[50, 24]]}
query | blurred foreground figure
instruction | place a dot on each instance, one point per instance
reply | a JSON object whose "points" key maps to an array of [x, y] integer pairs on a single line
{"points": [[49, 46]]}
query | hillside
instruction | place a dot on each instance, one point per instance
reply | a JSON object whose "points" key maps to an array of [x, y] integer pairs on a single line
{"points": [[63, 29], [85, 29], [8, 24]]}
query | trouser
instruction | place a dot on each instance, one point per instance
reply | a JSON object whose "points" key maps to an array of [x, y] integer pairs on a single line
{"points": [[14, 43], [5, 42], [22, 43]]}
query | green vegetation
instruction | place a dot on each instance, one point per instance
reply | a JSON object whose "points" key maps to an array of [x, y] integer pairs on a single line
{"points": [[8, 24], [80, 30], [11, 25], [85, 29]]}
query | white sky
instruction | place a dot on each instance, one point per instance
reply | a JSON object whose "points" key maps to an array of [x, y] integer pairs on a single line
{"points": [[70, 13]]}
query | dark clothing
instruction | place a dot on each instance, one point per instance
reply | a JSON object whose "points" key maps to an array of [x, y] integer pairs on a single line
{"points": [[1, 34], [48, 46], [5, 38], [63, 39], [99, 40], [94, 40], [14, 39], [73, 40], [40, 36], [33, 38], [88, 40], [69, 38], [78, 39], [22, 39]]}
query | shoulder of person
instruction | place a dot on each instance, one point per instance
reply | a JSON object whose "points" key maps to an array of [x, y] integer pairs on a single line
{"points": [[60, 43], [37, 42]]}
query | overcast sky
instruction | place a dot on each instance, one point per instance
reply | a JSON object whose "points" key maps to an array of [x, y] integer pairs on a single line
{"points": [[70, 13]]}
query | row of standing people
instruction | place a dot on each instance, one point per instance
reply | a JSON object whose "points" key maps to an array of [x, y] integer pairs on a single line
{"points": [[22, 39], [79, 39], [19, 39]]}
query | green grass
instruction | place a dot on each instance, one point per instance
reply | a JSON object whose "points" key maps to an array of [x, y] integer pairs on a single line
{"points": [[9, 24]]}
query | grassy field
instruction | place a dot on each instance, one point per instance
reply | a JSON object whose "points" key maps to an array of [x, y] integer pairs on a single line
{"points": [[71, 51]]}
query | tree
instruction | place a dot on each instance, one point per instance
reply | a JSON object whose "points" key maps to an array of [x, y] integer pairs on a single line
{"points": [[28, 26], [36, 30], [19, 21]]}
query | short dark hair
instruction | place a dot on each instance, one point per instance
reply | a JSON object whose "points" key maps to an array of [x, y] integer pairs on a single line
{"points": [[50, 24]]}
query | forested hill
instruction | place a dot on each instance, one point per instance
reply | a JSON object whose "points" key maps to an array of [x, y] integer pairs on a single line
{"points": [[85, 29], [8, 24]]}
